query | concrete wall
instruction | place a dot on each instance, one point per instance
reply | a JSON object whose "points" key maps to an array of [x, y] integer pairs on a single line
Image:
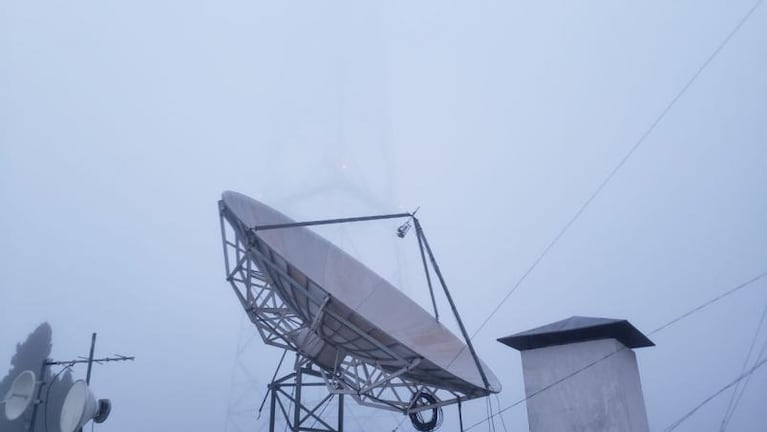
{"points": [[605, 397]]}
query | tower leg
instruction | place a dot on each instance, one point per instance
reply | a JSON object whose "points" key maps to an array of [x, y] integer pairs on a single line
{"points": [[297, 406], [287, 394], [272, 407]]}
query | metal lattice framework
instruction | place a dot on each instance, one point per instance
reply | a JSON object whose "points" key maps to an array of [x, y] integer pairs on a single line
{"points": [[259, 281], [286, 395]]}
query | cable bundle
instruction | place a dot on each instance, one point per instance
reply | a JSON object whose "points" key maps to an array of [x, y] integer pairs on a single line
{"points": [[419, 421]]}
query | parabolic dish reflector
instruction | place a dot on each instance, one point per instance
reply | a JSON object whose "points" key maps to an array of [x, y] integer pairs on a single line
{"points": [[20, 395], [347, 310]]}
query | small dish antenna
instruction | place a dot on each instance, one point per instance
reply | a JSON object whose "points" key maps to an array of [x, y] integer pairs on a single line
{"points": [[80, 406], [20, 395]]}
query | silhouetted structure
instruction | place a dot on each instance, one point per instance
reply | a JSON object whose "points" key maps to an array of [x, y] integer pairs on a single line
{"points": [[30, 355]]}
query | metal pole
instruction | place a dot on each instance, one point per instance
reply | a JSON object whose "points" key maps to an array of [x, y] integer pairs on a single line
{"points": [[37, 401], [419, 231], [330, 221], [90, 365], [90, 359], [297, 402], [426, 270], [272, 410], [269, 387], [341, 412]]}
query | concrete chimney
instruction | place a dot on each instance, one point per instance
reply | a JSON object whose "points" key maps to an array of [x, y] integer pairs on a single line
{"points": [[605, 397]]}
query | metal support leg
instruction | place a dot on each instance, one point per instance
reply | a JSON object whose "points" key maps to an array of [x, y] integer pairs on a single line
{"points": [[297, 402], [287, 393], [272, 407]]}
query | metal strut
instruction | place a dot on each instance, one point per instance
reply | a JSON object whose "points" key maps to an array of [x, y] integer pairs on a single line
{"points": [[420, 237], [330, 221], [286, 394], [435, 266]]}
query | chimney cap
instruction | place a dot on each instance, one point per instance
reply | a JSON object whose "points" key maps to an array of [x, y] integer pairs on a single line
{"points": [[578, 329]]}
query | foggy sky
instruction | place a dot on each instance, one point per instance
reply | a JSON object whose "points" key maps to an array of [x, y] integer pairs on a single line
{"points": [[122, 123]]}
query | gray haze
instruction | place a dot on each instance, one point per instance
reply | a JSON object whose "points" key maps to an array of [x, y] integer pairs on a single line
{"points": [[122, 122]]}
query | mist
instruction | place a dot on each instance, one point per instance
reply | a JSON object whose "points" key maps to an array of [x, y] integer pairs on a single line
{"points": [[122, 123]]}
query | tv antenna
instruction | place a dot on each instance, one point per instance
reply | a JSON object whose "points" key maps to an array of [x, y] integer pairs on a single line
{"points": [[80, 405]]}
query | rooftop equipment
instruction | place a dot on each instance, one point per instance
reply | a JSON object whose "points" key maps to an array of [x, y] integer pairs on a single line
{"points": [[345, 323], [20, 395]]}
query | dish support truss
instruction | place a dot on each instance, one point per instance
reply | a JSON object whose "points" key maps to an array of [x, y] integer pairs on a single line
{"points": [[286, 394], [371, 382]]}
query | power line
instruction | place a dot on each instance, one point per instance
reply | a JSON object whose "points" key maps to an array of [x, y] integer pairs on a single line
{"points": [[745, 385], [503, 422], [620, 164], [543, 389], [733, 404], [591, 198], [489, 410], [605, 357], [710, 302], [718, 392]]}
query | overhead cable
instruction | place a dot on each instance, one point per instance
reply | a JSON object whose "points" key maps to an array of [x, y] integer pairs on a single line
{"points": [[503, 422], [734, 399], [620, 164], [605, 357], [762, 355], [710, 302], [597, 191], [718, 392]]}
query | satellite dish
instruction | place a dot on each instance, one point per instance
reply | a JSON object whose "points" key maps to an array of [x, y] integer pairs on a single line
{"points": [[20, 395], [80, 406], [345, 310]]}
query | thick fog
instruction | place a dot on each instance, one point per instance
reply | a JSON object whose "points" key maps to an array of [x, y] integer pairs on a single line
{"points": [[122, 122]]}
